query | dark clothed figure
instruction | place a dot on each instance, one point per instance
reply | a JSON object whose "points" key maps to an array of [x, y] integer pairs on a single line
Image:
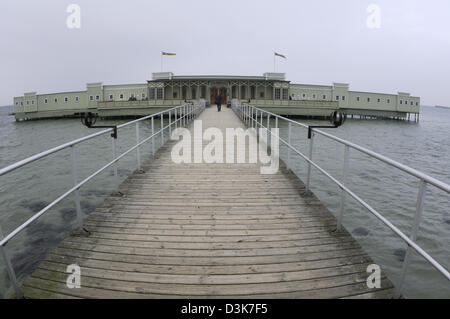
{"points": [[219, 103]]}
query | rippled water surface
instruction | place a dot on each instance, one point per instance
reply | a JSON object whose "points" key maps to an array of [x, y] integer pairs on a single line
{"points": [[424, 146]]}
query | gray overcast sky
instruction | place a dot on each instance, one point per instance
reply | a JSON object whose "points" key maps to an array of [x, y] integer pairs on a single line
{"points": [[325, 41]]}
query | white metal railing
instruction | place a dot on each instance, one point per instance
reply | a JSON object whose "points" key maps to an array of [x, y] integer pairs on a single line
{"points": [[182, 116], [253, 116]]}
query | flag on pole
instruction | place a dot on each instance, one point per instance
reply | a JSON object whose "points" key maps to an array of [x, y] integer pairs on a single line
{"points": [[167, 53], [280, 55]]}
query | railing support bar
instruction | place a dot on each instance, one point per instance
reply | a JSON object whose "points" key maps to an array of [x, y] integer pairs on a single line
{"points": [[75, 182], [343, 194], [162, 129], [413, 237], [116, 176], [153, 138], [10, 269], [170, 124], [289, 143], [311, 146], [138, 152]]}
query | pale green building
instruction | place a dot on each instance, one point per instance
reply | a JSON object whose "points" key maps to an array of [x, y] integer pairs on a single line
{"points": [[271, 91]]}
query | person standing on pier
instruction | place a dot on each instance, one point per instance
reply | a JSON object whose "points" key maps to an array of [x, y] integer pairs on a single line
{"points": [[219, 102]]}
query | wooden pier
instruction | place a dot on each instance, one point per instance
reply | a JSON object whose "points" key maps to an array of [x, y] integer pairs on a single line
{"points": [[209, 231]]}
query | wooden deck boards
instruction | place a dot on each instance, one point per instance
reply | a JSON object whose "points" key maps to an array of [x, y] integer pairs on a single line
{"points": [[209, 231]]}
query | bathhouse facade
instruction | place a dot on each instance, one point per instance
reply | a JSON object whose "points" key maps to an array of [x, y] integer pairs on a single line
{"points": [[271, 92]]}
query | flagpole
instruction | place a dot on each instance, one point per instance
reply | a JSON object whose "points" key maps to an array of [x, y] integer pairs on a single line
{"points": [[274, 57], [161, 62]]}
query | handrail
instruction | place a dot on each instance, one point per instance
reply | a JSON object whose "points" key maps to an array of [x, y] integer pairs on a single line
{"points": [[246, 112], [431, 180], [187, 113], [35, 157]]}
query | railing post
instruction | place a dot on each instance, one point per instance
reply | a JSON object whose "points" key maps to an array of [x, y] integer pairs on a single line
{"points": [[75, 182], [261, 124], [413, 237], [269, 136], [162, 129], [138, 152], [289, 144], [256, 122], [276, 126], [170, 124], [175, 120], [153, 138], [343, 193], [246, 110], [116, 176], [10, 269], [308, 176]]}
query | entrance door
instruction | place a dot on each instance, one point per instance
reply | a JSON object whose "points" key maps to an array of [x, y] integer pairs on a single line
{"points": [[215, 92]]}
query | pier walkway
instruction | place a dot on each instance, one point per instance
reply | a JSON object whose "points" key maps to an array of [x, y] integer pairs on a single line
{"points": [[208, 231]]}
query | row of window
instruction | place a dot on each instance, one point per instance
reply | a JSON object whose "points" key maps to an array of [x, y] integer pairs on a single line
{"points": [[157, 93], [388, 101], [358, 99], [55, 100], [411, 102], [314, 96], [184, 91], [243, 91], [281, 94]]}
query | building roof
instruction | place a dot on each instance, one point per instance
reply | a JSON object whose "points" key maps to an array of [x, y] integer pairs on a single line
{"points": [[161, 76]]}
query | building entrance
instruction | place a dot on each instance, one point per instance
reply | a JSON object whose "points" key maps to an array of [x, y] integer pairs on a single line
{"points": [[218, 91]]}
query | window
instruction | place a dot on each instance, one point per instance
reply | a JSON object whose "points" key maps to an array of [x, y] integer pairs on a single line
{"points": [[131, 95], [314, 96], [17, 103], [243, 92], [304, 96], [379, 100], [111, 97], [401, 101], [203, 92], [417, 103], [143, 95], [97, 97], [253, 92], [66, 100], [28, 102], [261, 94], [285, 94], [368, 99], [357, 98], [388, 101], [193, 93], [56, 100], [151, 95], [121, 96], [159, 93], [233, 92], [77, 98], [324, 97], [184, 92], [411, 102], [91, 98], [32, 102], [343, 98], [175, 95], [277, 93], [337, 97], [21, 103]]}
